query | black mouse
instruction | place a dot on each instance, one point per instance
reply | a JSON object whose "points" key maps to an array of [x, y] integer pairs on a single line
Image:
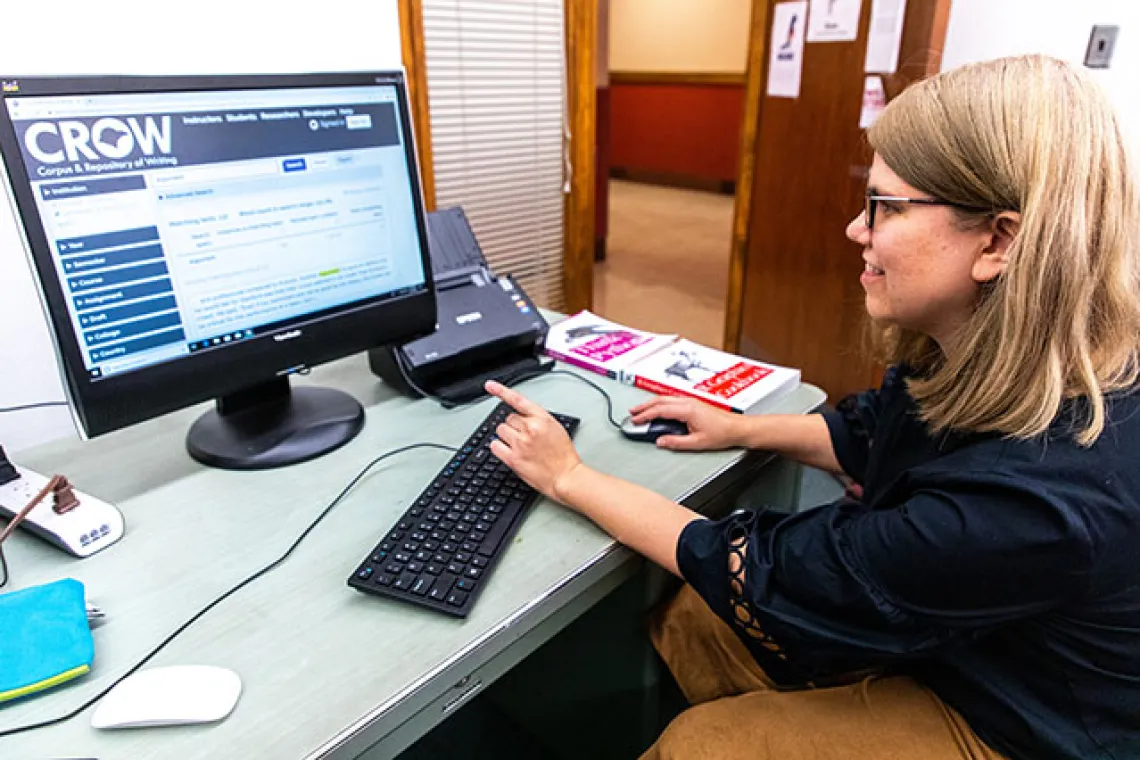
{"points": [[652, 430]]}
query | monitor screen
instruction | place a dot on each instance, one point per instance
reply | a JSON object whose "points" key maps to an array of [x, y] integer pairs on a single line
{"points": [[202, 237]]}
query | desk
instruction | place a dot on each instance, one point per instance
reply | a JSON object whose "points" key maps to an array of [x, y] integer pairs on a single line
{"points": [[327, 671]]}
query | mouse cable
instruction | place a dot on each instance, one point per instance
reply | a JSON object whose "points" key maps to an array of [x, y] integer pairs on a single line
{"points": [[514, 381], [595, 386], [198, 615], [24, 407]]}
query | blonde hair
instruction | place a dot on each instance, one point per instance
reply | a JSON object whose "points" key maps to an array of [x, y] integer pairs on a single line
{"points": [[1034, 135]]}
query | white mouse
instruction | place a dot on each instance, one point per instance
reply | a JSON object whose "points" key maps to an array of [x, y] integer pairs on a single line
{"points": [[169, 696]]}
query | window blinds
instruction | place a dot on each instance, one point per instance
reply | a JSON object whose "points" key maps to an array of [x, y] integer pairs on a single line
{"points": [[496, 91]]}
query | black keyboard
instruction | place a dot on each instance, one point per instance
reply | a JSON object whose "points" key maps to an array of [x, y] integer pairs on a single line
{"points": [[441, 552]]}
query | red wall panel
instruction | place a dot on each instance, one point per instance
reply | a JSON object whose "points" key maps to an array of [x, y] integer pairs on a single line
{"points": [[688, 130]]}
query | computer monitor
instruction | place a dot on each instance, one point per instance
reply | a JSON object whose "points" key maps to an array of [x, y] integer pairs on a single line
{"points": [[207, 237]]}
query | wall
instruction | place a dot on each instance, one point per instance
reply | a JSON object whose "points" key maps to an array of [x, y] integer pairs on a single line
{"points": [[676, 133], [602, 121], [679, 35], [217, 36], [983, 29], [669, 122]]}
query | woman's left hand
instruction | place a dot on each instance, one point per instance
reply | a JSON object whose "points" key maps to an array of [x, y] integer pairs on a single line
{"points": [[533, 443]]}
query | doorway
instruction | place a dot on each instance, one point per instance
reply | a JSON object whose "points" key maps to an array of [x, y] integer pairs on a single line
{"points": [[671, 84]]}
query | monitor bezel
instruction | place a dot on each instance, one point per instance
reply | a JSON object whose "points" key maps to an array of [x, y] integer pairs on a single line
{"points": [[110, 403]]}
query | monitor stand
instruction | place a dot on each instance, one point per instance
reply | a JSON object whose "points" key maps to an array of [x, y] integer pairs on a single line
{"points": [[273, 425]]}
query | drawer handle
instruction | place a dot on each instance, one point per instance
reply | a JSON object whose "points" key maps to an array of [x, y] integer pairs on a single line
{"points": [[461, 699]]}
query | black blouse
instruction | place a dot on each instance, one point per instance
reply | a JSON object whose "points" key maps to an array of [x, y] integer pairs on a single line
{"points": [[1002, 574]]}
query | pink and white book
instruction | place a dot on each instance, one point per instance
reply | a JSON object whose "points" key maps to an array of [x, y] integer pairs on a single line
{"points": [[599, 345], [667, 365]]}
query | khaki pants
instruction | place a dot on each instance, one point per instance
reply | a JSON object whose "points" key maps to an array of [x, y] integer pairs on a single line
{"points": [[738, 713]]}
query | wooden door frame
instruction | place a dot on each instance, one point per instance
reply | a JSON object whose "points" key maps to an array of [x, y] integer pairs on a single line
{"points": [[754, 77], [415, 67], [578, 261], [582, 111]]}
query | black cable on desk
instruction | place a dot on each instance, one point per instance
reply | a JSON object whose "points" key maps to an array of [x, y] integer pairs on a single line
{"points": [[595, 386], [36, 405], [514, 381], [193, 619]]}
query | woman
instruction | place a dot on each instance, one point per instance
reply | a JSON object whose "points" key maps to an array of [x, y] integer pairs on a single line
{"points": [[983, 598]]}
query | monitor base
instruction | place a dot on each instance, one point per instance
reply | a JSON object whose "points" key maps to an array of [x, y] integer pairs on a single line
{"points": [[274, 426]]}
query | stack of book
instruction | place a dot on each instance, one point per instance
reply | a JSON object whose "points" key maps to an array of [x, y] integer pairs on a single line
{"points": [[667, 364]]}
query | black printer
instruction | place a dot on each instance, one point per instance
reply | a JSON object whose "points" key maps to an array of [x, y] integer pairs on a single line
{"points": [[487, 328]]}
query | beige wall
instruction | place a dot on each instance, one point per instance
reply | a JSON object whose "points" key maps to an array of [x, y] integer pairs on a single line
{"points": [[602, 61], [679, 35]]}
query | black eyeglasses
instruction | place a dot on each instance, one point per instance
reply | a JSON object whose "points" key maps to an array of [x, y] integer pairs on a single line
{"points": [[871, 203]]}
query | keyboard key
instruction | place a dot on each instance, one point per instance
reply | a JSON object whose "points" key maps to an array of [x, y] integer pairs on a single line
{"points": [[422, 584], [465, 584], [442, 585], [457, 598]]}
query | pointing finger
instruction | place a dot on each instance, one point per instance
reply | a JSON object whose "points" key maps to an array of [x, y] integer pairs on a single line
{"points": [[513, 399]]}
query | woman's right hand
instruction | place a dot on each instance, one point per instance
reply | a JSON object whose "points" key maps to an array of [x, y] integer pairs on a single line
{"points": [[709, 428]]}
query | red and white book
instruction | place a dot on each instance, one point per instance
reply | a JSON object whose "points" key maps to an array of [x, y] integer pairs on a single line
{"points": [[666, 364], [728, 381]]}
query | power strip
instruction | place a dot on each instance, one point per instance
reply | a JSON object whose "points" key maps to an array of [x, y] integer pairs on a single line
{"points": [[82, 531]]}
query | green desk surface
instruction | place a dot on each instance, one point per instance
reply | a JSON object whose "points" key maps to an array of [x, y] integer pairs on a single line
{"points": [[325, 670]]}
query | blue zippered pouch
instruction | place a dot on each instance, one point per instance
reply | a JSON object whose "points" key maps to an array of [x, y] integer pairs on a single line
{"points": [[44, 638]]}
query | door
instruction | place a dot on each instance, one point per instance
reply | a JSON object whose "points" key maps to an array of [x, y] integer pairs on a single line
{"points": [[794, 293]]}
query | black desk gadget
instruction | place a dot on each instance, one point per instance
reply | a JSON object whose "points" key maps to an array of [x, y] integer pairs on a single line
{"points": [[487, 327], [441, 551]]}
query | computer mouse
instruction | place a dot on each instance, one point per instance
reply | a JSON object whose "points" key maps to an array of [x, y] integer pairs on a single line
{"points": [[169, 696], [652, 430]]}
